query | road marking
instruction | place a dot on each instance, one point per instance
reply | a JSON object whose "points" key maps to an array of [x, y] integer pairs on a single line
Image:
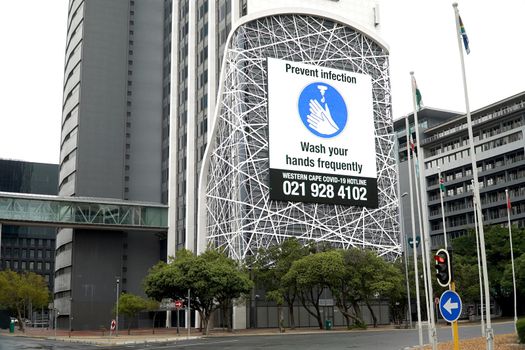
{"points": [[187, 345]]}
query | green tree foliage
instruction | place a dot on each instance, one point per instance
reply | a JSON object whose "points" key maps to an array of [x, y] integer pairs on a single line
{"points": [[213, 278], [19, 290], [497, 246], [271, 266], [372, 277], [131, 305], [311, 275]]}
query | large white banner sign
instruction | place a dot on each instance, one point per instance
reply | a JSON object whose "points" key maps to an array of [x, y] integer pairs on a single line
{"points": [[321, 135]]}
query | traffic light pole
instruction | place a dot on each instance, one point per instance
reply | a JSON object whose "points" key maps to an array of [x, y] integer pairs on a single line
{"points": [[455, 335]]}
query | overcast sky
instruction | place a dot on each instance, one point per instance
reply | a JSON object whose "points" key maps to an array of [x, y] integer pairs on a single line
{"points": [[420, 34]]}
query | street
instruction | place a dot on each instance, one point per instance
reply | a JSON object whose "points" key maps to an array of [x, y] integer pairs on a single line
{"points": [[370, 339]]}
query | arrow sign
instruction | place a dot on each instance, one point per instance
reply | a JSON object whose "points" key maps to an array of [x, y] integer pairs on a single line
{"points": [[411, 241], [450, 306]]}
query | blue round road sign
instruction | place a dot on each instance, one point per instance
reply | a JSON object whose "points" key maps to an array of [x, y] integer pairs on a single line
{"points": [[450, 306]]}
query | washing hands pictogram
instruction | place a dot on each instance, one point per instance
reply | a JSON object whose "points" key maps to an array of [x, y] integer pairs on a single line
{"points": [[320, 119]]}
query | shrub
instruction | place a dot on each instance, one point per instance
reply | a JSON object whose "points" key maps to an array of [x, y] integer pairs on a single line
{"points": [[520, 326]]}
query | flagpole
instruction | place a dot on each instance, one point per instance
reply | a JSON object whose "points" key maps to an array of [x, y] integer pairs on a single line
{"points": [[403, 236], [441, 194], [428, 302], [414, 241], [424, 218], [479, 266], [512, 259], [489, 333]]}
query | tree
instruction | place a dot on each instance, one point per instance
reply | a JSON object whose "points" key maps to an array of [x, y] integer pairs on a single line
{"points": [[213, 278], [312, 274], [497, 248], [18, 290], [344, 289], [370, 277], [131, 305], [271, 266]]}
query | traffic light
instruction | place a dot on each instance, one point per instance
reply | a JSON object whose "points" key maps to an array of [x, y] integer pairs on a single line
{"points": [[443, 267]]}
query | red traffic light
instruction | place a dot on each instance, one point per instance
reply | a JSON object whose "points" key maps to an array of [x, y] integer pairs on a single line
{"points": [[443, 267], [439, 259]]}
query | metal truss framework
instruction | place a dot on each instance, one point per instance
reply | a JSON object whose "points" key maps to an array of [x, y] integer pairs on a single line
{"points": [[239, 214]]}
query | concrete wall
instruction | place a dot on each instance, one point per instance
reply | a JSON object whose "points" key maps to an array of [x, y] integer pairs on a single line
{"points": [[97, 261], [101, 135]]}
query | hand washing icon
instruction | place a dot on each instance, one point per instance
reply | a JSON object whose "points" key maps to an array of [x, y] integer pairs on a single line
{"points": [[322, 110]]}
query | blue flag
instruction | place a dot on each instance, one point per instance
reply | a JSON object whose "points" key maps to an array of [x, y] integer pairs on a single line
{"points": [[464, 35]]}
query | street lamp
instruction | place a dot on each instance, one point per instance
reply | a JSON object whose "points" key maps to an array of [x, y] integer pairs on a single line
{"points": [[404, 238], [116, 321], [70, 312]]}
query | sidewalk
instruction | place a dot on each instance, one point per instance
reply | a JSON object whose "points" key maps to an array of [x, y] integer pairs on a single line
{"points": [[137, 336], [143, 336]]}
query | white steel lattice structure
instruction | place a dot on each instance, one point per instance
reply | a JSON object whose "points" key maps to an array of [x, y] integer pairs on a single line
{"points": [[234, 207]]}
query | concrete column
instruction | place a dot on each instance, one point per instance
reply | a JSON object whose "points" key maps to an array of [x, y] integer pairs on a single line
{"points": [[239, 315]]}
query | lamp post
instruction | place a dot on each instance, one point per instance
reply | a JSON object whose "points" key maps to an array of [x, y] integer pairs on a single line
{"points": [[70, 316], [55, 314], [404, 247], [116, 317]]}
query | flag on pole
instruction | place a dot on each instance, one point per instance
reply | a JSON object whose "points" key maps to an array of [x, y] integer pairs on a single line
{"points": [[509, 206], [419, 99], [464, 35], [412, 145], [442, 184]]}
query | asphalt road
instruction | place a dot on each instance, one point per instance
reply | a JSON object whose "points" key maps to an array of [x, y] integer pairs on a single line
{"points": [[372, 339]]}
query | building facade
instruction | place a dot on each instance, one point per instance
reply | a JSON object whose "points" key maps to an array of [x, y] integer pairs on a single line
{"points": [[140, 85], [115, 128], [28, 248], [498, 138], [201, 28]]}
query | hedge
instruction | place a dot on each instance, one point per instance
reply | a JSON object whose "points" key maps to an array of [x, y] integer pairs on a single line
{"points": [[520, 326]]}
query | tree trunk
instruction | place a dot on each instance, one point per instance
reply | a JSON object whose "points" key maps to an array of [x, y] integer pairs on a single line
{"points": [[316, 313], [154, 316], [280, 318], [205, 317], [358, 314], [291, 316], [372, 313], [21, 324]]}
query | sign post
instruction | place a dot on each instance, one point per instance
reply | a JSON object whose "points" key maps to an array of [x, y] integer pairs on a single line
{"points": [[112, 327], [178, 306]]}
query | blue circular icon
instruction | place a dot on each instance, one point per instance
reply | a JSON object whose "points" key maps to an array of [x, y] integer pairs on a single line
{"points": [[450, 305], [322, 110]]}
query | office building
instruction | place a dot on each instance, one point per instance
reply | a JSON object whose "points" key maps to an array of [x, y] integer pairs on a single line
{"points": [[113, 145], [498, 138], [28, 249]]}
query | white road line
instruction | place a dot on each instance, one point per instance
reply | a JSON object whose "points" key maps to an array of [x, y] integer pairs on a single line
{"points": [[175, 345]]}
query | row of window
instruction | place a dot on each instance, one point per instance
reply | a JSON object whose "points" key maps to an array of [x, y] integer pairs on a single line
{"points": [[9, 252], [18, 241], [481, 148], [496, 114], [480, 135], [16, 265]]}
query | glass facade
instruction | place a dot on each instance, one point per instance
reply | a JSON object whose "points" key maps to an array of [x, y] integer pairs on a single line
{"points": [[28, 248]]}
